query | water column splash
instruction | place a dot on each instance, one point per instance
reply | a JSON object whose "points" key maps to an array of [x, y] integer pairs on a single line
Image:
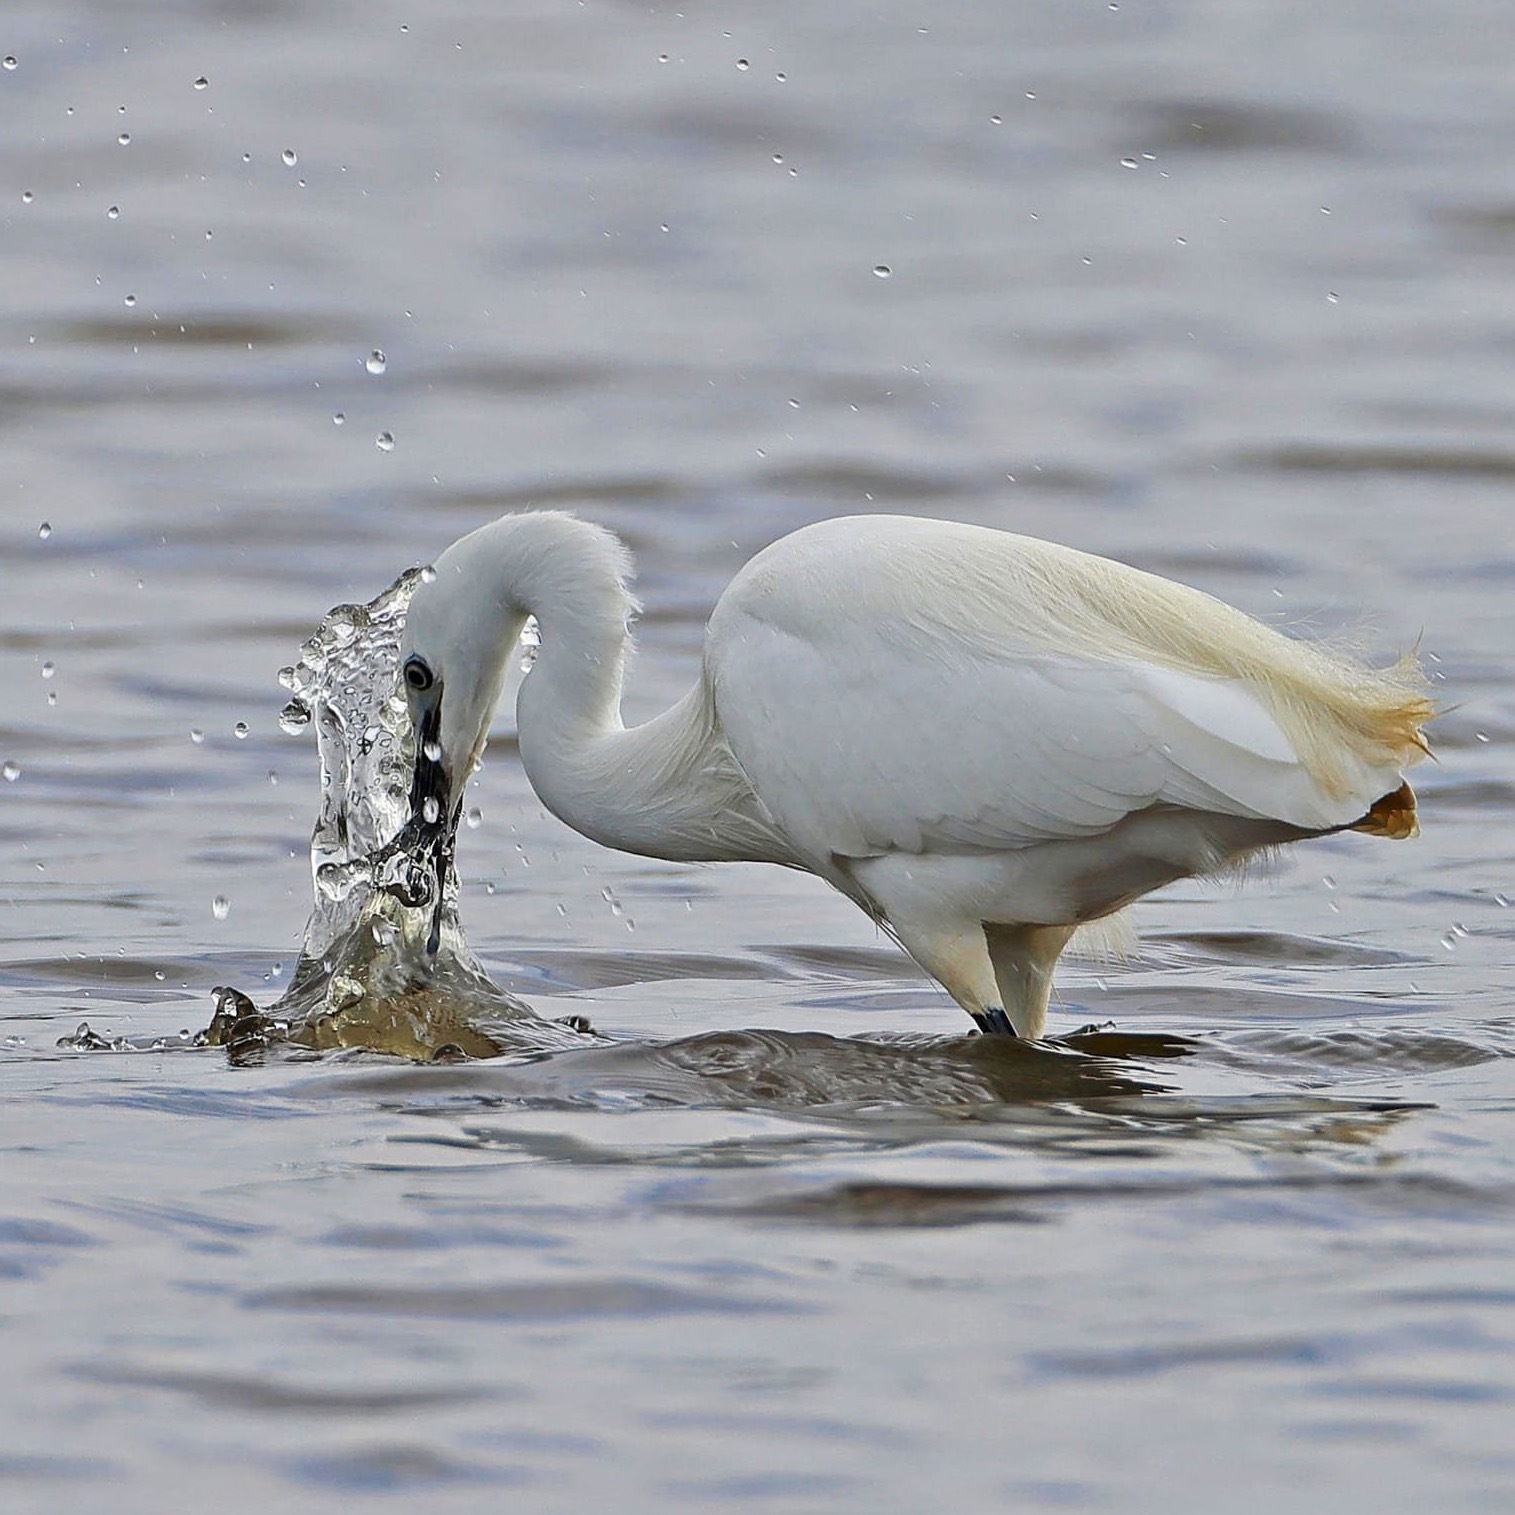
{"points": [[346, 684], [384, 964]]}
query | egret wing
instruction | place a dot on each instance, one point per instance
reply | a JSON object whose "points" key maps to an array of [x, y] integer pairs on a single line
{"points": [[863, 742]]}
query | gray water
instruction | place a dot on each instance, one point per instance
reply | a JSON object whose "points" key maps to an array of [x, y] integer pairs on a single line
{"points": [[791, 1241]]}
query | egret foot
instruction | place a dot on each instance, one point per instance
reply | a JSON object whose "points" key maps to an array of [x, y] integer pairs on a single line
{"points": [[993, 1021]]}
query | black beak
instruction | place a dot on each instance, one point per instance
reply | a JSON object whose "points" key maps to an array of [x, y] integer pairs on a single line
{"points": [[430, 792], [426, 840]]}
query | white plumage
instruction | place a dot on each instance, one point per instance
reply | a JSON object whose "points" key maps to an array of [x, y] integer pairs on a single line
{"points": [[983, 739]]}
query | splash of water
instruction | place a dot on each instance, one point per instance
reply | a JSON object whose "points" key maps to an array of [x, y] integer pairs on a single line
{"points": [[384, 964]]}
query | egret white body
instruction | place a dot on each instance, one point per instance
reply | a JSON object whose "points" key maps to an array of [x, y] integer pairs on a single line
{"points": [[984, 740]]}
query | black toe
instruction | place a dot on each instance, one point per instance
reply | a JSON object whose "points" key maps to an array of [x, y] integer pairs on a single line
{"points": [[994, 1022]]}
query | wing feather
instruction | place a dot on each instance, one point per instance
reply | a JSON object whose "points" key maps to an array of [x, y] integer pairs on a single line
{"points": [[861, 743]]}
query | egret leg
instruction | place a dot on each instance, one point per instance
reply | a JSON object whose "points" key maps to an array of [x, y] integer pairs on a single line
{"points": [[959, 962], [930, 923], [1023, 958]]}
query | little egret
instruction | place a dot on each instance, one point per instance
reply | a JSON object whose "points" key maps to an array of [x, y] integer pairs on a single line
{"points": [[984, 740]]}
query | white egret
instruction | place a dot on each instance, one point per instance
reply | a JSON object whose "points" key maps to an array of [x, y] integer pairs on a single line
{"points": [[984, 740]]}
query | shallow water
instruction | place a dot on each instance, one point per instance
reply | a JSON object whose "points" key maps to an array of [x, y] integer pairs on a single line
{"points": [[1250, 1249]]}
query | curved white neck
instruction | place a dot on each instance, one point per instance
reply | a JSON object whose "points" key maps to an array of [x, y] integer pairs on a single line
{"points": [[572, 695], [667, 788], [612, 784]]}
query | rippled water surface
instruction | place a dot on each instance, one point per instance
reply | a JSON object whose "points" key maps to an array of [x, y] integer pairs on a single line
{"points": [[1224, 289]]}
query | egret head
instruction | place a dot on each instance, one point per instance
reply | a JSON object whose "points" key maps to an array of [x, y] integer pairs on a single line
{"points": [[463, 623], [459, 631]]}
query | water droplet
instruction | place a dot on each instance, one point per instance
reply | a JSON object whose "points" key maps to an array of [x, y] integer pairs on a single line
{"points": [[1128, 163], [996, 120], [247, 157], [196, 735], [339, 419], [531, 640], [474, 819], [240, 731], [743, 64], [782, 78], [220, 907], [27, 197], [48, 670], [1332, 297], [431, 810], [294, 718], [1480, 736], [385, 442], [113, 213], [130, 300], [432, 751], [428, 575], [10, 62], [289, 157], [882, 271], [662, 57], [124, 138], [1031, 94], [202, 82], [10, 772], [45, 530], [376, 362]]}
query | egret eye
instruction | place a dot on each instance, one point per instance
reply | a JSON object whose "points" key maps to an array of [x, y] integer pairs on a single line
{"points": [[418, 674]]}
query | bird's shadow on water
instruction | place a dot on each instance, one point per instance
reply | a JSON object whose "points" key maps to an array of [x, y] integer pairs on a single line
{"points": [[778, 1070], [900, 1087], [434, 1042], [1101, 1093], [816, 1111], [567, 1060]]}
